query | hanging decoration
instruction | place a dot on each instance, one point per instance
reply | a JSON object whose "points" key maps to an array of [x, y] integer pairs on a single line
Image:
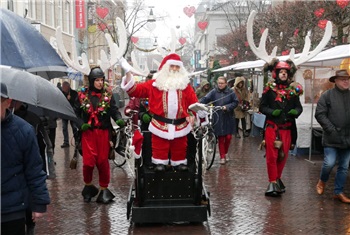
{"points": [[202, 24], [319, 12], [92, 28], [296, 32], [189, 11], [145, 50], [285, 52], [134, 39], [246, 44], [235, 53], [345, 64], [322, 24], [182, 40], [101, 26], [342, 3], [102, 12]]}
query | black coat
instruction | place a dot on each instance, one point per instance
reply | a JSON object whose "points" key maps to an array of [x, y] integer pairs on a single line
{"points": [[333, 114], [224, 121]]}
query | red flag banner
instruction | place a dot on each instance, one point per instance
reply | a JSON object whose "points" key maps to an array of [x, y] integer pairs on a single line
{"points": [[79, 14]]}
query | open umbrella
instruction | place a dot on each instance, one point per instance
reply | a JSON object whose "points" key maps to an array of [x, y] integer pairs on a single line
{"points": [[23, 47], [34, 90]]}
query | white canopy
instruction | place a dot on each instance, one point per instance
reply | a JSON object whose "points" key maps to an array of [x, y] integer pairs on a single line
{"points": [[327, 58]]}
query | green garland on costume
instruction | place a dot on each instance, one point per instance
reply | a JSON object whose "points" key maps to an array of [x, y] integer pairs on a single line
{"points": [[103, 104], [294, 89]]}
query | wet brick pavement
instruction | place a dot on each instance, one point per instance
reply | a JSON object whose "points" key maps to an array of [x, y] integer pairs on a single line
{"points": [[238, 203]]}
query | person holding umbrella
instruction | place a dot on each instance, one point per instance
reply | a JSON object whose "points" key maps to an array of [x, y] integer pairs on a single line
{"points": [[23, 182]]}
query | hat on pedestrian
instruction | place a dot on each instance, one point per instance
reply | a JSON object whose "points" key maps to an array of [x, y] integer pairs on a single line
{"points": [[4, 91], [95, 73], [171, 59], [339, 73]]}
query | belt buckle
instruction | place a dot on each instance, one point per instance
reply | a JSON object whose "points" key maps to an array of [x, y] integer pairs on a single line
{"points": [[173, 121]]}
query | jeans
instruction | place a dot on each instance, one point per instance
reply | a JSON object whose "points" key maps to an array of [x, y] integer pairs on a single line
{"points": [[331, 155], [65, 130]]}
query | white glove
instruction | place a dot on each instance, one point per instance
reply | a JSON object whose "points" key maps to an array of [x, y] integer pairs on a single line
{"points": [[124, 64], [197, 107], [202, 113]]}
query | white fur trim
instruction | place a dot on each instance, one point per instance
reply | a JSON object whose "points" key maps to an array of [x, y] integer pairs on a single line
{"points": [[173, 103], [137, 156], [128, 85], [176, 163], [174, 62], [171, 133], [159, 161]]}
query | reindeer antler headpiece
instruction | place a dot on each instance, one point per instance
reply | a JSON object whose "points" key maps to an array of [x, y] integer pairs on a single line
{"points": [[116, 52], [291, 63]]}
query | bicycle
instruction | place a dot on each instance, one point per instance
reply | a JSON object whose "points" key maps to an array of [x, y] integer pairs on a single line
{"points": [[206, 132], [124, 137]]}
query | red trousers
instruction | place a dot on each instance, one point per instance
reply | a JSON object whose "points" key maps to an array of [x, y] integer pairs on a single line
{"points": [[274, 167], [162, 147], [224, 144], [95, 147]]}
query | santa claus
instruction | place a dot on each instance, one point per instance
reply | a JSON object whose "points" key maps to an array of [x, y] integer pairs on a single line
{"points": [[169, 95]]}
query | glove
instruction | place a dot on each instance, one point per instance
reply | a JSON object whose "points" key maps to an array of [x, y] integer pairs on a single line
{"points": [[293, 112], [125, 65], [276, 112], [120, 122], [202, 113], [85, 126], [146, 118]]}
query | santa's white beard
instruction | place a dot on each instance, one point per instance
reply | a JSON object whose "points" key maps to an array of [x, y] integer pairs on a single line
{"points": [[167, 80]]}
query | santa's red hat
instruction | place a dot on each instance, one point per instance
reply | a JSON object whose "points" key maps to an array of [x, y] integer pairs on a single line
{"points": [[137, 140], [171, 59]]}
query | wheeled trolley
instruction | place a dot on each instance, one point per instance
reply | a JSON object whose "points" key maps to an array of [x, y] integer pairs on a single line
{"points": [[170, 196]]}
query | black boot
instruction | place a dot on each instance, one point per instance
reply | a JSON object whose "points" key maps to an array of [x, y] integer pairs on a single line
{"points": [[281, 185], [273, 190], [159, 168], [181, 167], [105, 196], [89, 192]]}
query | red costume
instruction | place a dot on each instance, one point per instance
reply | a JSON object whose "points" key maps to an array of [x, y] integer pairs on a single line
{"points": [[169, 106]]}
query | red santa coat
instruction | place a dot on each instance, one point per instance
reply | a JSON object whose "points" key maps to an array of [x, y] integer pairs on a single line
{"points": [[172, 104]]}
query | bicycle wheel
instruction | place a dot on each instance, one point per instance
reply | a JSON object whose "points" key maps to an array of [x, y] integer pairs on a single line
{"points": [[210, 149], [119, 159]]}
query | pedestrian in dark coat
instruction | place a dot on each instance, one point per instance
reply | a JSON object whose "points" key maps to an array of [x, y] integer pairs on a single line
{"points": [[224, 121], [23, 182], [333, 114]]}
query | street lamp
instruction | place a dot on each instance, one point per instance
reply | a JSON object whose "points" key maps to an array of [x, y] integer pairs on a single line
{"points": [[151, 17]]}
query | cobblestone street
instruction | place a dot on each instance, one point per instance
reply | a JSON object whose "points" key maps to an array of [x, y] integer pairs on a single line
{"points": [[238, 204]]}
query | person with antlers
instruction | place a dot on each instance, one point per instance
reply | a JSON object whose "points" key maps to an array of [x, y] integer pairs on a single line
{"points": [[95, 106], [280, 102]]}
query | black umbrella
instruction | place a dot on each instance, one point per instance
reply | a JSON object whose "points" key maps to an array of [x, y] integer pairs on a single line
{"points": [[23, 47], [34, 90]]}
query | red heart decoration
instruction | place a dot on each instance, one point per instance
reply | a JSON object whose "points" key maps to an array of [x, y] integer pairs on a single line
{"points": [[202, 24], [189, 11], [182, 41], [235, 53], [285, 52], [246, 43], [319, 12], [296, 32], [342, 3], [134, 39], [102, 26], [322, 24], [102, 12]]}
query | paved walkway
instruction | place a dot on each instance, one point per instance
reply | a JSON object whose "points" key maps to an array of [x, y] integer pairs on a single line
{"points": [[238, 203]]}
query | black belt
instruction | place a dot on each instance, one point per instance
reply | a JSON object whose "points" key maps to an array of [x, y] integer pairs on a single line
{"points": [[169, 121], [279, 127]]}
